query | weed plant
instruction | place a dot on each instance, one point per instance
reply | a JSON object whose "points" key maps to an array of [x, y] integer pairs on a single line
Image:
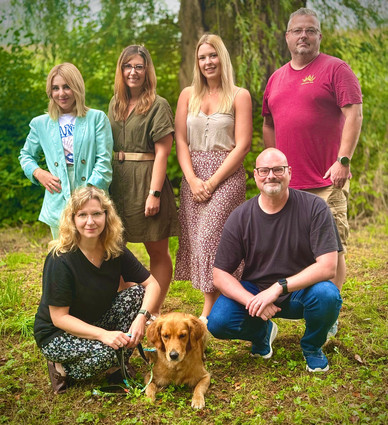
{"points": [[243, 390]]}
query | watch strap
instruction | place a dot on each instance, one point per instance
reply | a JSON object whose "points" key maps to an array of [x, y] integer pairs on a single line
{"points": [[155, 193], [344, 160], [146, 313], [283, 283]]}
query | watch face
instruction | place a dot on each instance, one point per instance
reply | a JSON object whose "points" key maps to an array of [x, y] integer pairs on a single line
{"points": [[344, 160]]}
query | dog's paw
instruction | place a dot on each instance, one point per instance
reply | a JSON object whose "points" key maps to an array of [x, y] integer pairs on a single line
{"points": [[198, 402], [150, 392]]}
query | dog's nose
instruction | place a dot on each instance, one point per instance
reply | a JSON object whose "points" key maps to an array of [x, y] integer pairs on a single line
{"points": [[174, 355]]}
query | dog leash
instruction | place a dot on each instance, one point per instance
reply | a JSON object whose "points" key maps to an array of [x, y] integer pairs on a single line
{"points": [[129, 382]]}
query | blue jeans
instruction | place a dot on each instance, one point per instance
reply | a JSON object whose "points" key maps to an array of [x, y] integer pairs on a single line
{"points": [[318, 304]]}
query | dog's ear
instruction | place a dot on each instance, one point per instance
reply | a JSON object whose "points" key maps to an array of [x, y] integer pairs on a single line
{"points": [[154, 334], [197, 330]]}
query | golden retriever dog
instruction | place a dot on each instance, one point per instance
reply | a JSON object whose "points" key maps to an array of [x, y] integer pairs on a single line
{"points": [[179, 341]]}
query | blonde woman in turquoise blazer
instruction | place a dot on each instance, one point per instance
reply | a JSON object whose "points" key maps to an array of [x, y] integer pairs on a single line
{"points": [[76, 142]]}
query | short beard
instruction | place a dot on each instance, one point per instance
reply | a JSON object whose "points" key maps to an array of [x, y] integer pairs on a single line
{"points": [[272, 190]]}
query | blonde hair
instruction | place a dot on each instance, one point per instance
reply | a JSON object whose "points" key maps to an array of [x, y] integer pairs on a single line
{"points": [[112, 235], [199, 83], [122, 94], [74, 80]]}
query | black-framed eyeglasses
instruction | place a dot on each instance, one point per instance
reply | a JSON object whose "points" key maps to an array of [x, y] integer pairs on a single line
{"points": [[278, 171], [299, 31], [138, 68]]}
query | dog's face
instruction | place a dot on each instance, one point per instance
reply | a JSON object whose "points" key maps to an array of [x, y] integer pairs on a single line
{"points": [[175, 334]]}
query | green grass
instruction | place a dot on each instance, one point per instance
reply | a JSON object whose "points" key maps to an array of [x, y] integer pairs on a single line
{"points": [[243, 390]]}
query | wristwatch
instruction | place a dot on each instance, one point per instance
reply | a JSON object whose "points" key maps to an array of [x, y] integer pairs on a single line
{"points": [[343, 160], [283, 284], [155, 193], [146, 313]]}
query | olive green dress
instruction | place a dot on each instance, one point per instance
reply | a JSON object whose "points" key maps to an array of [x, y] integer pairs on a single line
{"points": [[131, 179]]}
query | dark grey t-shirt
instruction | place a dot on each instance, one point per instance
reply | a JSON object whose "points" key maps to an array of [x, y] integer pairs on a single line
{"points": [[71, 280], [275, 246]]}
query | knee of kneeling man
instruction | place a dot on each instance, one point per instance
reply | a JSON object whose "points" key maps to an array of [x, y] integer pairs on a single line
{"points": [[215, 322], [327, 292]]}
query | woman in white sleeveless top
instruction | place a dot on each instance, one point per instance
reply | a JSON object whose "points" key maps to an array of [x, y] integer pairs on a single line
{"points": [[213, 131]]}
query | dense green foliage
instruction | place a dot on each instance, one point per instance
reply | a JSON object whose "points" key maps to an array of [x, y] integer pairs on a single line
{"points": [[42, 33], [40, 37]]}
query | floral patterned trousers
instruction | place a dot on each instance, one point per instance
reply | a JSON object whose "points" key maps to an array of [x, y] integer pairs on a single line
{"points": [[82, 358]]}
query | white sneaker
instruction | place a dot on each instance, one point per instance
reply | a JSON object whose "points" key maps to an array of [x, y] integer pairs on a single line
{"points": [[203, 319]]}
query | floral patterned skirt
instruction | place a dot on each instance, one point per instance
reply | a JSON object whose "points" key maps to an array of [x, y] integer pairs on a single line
{"points": [[202, 223]]}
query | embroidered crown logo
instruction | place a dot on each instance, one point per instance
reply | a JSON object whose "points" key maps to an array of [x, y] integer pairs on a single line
{"points": [[308, 80]]}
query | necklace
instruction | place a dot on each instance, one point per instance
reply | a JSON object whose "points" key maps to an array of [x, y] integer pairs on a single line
{"points": [[210, 93]]}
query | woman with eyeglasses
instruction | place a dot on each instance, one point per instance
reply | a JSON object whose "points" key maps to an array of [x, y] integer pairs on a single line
{"points": [[143, 128], [96, 295], [76, 142], [213, 126]]}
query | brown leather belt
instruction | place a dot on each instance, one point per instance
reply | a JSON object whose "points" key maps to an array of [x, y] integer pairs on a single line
{"points": [[133, 156]]}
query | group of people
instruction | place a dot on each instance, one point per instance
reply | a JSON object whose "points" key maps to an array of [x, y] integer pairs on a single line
{"points": [[279, 254]]}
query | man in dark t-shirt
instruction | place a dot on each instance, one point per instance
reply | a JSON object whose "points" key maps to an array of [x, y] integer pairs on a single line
{"points": [[289, 244]]}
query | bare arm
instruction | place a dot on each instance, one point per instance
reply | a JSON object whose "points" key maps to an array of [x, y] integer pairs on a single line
{"points": [[63, 320], [150, 303], [197, 185], [243, 138], [339, 173], [229, 286], [269, 132], [162, 151], [323, 269]]}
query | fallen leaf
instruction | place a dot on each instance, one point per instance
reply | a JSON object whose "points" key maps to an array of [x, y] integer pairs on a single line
{"points": [[358, 358]]}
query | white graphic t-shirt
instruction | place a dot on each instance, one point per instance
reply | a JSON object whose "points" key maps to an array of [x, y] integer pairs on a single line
{"points": [[66, 128]]}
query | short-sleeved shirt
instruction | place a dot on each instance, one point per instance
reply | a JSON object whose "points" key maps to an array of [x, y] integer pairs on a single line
{"points": [[306, 107], [279, 245], [71, 280]]}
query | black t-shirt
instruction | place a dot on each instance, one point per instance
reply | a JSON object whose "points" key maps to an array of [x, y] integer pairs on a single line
{"points": [[70, 279], [275, 246]]}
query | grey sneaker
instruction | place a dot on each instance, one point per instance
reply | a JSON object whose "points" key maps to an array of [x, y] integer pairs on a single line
{"points": [[333, 330], [267, 352]]}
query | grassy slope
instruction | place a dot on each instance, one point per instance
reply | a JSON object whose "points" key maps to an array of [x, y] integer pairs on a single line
{"points": [[243, 390]]}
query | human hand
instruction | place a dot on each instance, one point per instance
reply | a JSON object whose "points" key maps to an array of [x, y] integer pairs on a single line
{"points": [[137, 330], [152, 206], [46, 179], [209, 186], [199, 190], [262, 305], [114, 339], [338, 174]]}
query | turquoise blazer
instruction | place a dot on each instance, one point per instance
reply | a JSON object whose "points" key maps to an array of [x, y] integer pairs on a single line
{"points": [[93, 144]]}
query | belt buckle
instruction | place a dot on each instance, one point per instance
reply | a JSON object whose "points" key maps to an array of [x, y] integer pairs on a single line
{"points": [[121, 156]]}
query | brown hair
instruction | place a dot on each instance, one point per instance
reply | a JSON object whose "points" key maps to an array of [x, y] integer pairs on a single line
{"points": [[122, 93]]}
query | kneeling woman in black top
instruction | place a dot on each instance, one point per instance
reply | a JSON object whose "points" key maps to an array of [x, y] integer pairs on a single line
{"points": [[85, 312]]}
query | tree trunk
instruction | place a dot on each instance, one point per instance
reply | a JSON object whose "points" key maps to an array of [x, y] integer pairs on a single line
{"points": [[190, 22], [252, 30]]}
